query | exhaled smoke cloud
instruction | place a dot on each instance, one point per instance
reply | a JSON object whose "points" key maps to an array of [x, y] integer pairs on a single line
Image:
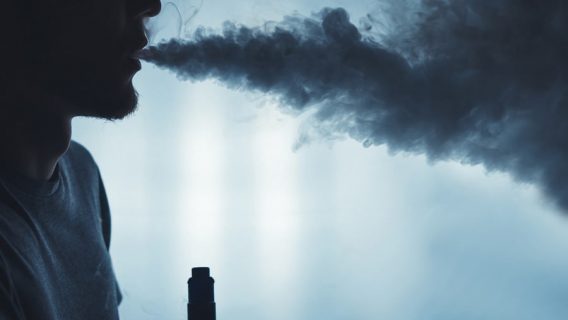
{"points": [[481, 82]]}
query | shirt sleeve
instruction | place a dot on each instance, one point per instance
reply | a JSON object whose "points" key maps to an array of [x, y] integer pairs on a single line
{"points": [[106, 226], [10, 308]]}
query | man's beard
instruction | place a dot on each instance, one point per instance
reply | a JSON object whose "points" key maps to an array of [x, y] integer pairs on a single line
{"points": [[99, 91], [101, 100], [111, 106]]}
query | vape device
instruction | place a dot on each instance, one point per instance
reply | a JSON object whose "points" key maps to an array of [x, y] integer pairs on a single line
{"points": [[201, 304]]}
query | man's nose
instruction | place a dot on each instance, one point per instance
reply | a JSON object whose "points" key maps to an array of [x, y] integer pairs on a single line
{"points": [[145, 8]]}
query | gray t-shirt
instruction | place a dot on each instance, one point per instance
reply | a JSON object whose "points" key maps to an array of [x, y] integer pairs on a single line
{"points": [[54, 240]]}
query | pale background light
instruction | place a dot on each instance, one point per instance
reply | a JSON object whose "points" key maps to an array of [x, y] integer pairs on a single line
{"points": [[206, 176]]}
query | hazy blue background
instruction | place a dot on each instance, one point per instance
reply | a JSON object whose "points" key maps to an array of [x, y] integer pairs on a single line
{"points": [[206, 176]]}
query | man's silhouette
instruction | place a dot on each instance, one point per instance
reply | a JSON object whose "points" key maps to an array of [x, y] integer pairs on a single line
{"points": [[60, 59]]}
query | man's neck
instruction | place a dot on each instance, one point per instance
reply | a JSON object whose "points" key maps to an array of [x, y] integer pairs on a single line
{"points": [[31, 143]]}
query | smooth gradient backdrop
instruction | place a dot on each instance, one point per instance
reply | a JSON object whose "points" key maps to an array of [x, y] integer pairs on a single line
{"points": [[203, 175]]}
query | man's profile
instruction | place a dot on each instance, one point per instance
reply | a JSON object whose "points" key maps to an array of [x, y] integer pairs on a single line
{"points": [[61, 59]]}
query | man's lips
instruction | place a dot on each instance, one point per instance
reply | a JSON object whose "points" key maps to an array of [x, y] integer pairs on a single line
{"points": [[139, 46], [133, 64], [132, 60]]}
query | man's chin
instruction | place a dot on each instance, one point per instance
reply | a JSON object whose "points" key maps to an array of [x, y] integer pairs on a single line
{"points": [[112, 107]]}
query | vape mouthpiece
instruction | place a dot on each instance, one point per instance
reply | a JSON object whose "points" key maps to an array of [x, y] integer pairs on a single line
{"points": [[201, 304]]}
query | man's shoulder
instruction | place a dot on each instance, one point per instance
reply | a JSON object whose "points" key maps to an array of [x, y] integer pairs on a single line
{"points": [[78, 152], [79, 166], [79, 157]]}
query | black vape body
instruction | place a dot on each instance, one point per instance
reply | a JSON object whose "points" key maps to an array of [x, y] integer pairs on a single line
{"points": [[201, 304]]}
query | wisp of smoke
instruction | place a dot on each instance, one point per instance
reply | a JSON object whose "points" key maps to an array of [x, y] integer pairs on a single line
{"points": [[480, 82], [173, 20]]}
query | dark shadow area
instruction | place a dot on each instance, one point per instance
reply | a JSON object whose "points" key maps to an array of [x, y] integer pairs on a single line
{"points": [[61, 59]]}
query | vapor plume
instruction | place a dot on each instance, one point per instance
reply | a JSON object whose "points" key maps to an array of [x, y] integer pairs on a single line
{"points": [[480, 82]]}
